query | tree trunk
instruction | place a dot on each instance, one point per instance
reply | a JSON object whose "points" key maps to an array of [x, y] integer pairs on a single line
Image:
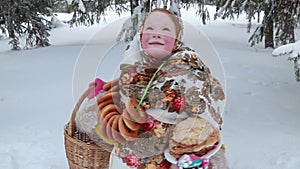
{"points": [[269, 27], [147, 6], [288, 23], [269, 33]]}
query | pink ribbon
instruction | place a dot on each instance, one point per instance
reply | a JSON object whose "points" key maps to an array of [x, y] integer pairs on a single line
{"points": [[98, 83]]}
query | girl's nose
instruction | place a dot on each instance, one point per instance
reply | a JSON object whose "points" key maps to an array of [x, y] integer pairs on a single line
{"points": [[155, 35]]}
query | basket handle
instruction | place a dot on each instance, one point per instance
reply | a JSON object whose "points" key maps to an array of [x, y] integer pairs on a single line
{"points": [[71, 127]]}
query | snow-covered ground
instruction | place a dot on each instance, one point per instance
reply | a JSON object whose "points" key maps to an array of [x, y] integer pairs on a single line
{"points": [[262, 120]]}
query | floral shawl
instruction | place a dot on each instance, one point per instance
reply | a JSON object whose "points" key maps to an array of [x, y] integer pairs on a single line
{"points": [[182, 87]]}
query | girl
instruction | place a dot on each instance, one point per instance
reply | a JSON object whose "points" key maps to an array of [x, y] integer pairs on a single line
{"points": [[161, 83]]}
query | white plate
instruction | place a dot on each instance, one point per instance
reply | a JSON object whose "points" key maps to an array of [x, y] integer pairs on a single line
{"points": [[173, 160]]}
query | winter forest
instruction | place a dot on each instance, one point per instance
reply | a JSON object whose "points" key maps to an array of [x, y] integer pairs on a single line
{"points": [[277, 19], [274, 21], [258, 45]]}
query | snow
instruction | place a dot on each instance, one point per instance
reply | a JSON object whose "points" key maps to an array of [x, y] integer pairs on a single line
{"points": [[293, 49], [39, 87]]}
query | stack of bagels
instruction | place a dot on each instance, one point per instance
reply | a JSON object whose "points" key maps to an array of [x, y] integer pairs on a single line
{"points": [[115, 121]]}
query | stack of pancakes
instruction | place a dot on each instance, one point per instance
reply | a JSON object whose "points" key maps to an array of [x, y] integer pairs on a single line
{"points": [[193, 135]]}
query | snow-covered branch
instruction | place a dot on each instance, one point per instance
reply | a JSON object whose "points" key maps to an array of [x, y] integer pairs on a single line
{"points": [[132, 25], [175, 7], [221, 11], [293, 51]]}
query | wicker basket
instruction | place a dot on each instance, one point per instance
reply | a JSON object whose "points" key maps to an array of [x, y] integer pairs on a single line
{"points": [[81, 151]]}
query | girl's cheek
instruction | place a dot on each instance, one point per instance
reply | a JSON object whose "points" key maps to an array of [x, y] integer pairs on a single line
{"points": [[170, 41], [145, 39]]}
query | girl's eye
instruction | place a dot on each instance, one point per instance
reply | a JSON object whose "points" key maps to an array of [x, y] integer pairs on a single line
{"points": [[166, 29], [149, 28]]}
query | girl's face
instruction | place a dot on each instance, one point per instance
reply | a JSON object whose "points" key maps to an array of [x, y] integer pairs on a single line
{"points": [[159, 35]]}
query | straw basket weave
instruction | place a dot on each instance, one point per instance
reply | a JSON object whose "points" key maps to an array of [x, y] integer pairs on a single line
{"points": [[81, 151]]}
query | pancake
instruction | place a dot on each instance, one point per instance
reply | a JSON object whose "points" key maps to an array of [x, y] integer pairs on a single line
{"points": [[193, 135]]}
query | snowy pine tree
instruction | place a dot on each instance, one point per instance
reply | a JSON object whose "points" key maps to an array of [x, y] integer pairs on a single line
{"points": [[89, 12], [201, 5], [59, 5], [24, 19], [286, 21], [132, 25], [281, 16], [133, 5], [296, 61]]}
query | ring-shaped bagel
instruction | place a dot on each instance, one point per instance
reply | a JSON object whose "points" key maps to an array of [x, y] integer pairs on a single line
{"points": [[105, 103], [136, 111], [105, 111], [114, 89], [107, 96], [109, 124], [109, 84], [128, 134], [116, 132], [129, 122]]}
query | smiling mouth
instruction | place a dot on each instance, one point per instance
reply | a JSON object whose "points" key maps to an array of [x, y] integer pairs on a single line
{"points": [[155, 43]]}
